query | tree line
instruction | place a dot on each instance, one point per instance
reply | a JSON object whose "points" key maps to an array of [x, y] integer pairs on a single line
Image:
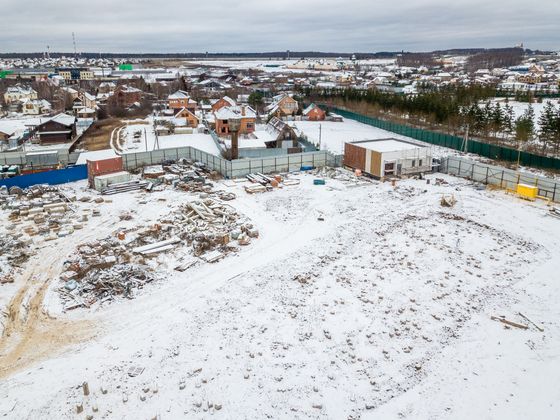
{"points": [[453, 109]]}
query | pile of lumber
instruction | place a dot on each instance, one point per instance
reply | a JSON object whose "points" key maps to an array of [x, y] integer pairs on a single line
{"points": [[125, 187]]}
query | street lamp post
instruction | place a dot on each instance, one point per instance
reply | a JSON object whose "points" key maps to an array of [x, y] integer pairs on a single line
{"points": [[234, 125]]}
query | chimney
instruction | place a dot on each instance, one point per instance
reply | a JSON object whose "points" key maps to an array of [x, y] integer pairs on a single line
{"points": [[243, 111]]}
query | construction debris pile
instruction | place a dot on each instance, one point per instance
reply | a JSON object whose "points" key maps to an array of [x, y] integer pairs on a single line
{"points": [[342, 175], [114, 267], [40, 210], [263, 183], [209, 224], [206, 225], [13, 253], [100, 271]]}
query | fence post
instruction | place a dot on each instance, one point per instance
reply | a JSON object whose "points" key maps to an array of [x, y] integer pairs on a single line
{"points": [[487, 169], [459, 170], [554, 192]]}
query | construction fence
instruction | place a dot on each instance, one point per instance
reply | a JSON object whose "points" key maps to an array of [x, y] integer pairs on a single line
{"points": [[236, 168], [500, 176], [454, 142], [54, 177]]}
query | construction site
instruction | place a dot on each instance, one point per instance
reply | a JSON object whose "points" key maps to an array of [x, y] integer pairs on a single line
{"points": [[170, 292]]}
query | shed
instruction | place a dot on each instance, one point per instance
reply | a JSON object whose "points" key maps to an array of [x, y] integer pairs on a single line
{"points": [[388, 157]]}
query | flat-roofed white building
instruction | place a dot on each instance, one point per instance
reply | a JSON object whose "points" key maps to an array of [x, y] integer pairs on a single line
{"points": [[388, 157]]}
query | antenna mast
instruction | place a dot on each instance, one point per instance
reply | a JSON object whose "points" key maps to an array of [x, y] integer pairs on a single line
{"points": [[74, 42]]}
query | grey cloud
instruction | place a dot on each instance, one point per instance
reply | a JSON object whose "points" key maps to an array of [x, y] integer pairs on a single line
{"points": [[258, 25]]}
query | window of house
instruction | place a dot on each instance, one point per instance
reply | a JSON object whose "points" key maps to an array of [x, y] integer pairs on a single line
{"points": [[420, 162], [413, 163]]}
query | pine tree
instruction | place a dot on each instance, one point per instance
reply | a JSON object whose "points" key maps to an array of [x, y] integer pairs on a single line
{"points": [[546, 125], [497, 119], [508, 120], [525, 126]]}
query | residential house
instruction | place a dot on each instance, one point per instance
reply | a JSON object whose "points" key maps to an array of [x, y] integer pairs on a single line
{"points": [[35, 106], [246, 114], [282, 106], [58, 129], [19, 93], [181, 99], [125, 96], [214, 85], [88, 100], [190, 119], [106, 88], [284, 136], [220, 103], [314, 113]]}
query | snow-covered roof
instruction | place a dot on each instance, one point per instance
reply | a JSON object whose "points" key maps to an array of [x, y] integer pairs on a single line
{"points": [[228, 112], [64, 119], [387, 145], [180, 94]]}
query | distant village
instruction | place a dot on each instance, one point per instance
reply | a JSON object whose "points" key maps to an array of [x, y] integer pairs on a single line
{"points": [[65, 105]]}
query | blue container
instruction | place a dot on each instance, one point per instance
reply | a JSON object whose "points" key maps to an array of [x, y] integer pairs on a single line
{"points": [[307, 168], [318, 182]]}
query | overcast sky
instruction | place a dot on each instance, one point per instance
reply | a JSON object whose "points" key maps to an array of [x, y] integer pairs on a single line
{"points": [[276, 25]]}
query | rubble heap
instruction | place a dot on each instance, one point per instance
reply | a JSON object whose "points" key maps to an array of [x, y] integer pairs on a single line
{"points": [[40, 210], [13, 253], [342, 175], [100, 271], [114, 267]]}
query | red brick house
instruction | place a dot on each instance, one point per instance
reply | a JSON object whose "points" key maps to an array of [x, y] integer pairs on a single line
{"points": [[225, 101], [181, 99], [314, 113], [125, 96], [246, 114]]}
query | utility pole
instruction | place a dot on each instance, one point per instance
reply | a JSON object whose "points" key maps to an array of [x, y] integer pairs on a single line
{"points": [[145, 140], [320, 135], [466, 140]]}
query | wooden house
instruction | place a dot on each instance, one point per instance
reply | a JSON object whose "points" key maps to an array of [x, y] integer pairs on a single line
{"points": [[59, 129]]}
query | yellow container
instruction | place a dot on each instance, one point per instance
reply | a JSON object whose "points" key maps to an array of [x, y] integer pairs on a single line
{"points": [[529, 192]]}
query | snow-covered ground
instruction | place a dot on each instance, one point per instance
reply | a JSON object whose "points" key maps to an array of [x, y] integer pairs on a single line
{"points": [[332, 136], [519, 108], [147, 140], [382, 310]]}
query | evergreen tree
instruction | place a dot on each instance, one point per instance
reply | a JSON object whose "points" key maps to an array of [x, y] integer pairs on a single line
{"points": [[525, 125], [547, 122]]}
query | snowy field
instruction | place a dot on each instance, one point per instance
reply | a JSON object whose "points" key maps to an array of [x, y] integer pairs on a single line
{"points": [[146, 141], [519, 108], [331, 135], [381, 310]]}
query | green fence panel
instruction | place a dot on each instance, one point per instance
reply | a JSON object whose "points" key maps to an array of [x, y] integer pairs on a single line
{"points": [[454, 142]]}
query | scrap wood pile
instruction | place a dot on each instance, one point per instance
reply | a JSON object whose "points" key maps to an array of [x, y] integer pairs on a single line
{"points": [[205, 225], [448, 200], [262, 183], [554, 212], [209, 224], [100, 271], [186, 175]]}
